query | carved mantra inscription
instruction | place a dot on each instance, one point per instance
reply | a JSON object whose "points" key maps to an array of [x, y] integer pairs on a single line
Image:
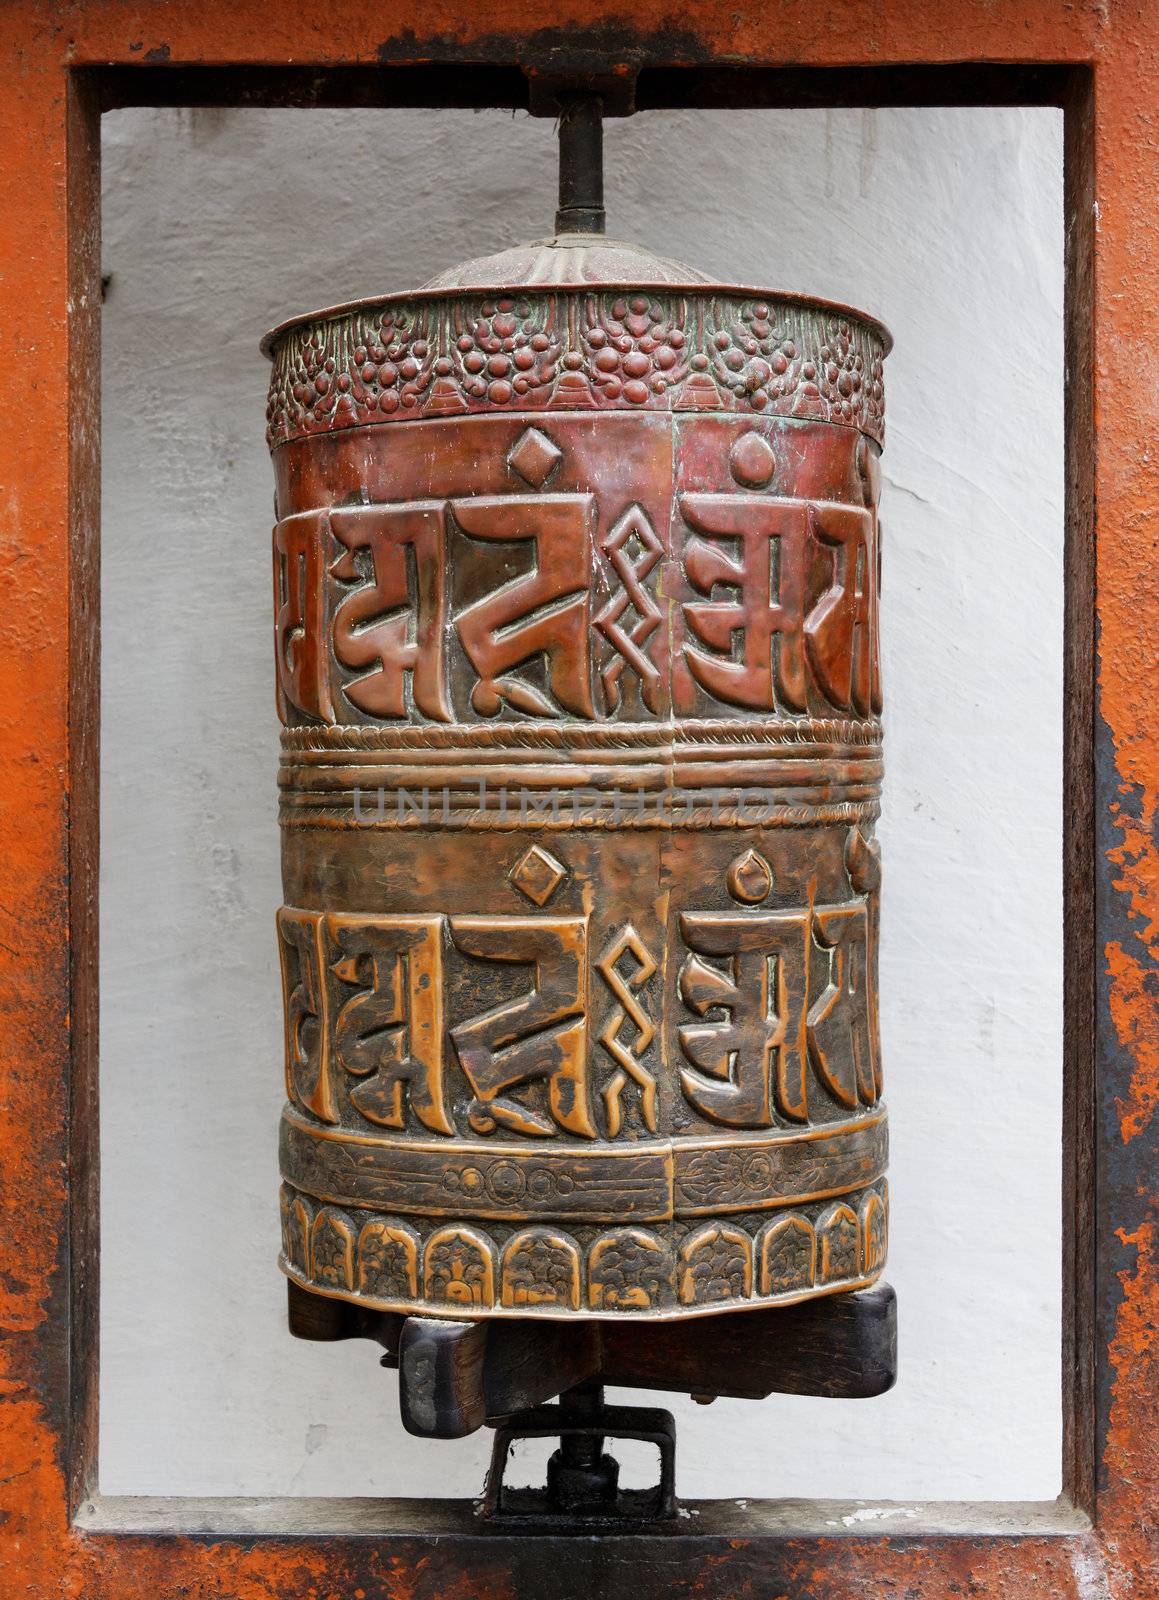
{"points": [[784, 998], [770, 597], [784, 638]]}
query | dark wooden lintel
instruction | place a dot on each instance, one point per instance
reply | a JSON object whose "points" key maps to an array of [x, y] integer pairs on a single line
{"points": [[518, 83]]}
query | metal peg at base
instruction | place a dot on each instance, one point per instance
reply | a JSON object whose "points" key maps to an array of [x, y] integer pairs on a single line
{"points": [[582, 1479]]}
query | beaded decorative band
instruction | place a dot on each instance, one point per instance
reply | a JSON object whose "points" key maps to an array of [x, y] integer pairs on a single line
{"points": [[575, 349]]}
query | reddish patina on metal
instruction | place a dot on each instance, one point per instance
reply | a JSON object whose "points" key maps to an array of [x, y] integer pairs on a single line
{"points": [[49, 272], [576, 590]]}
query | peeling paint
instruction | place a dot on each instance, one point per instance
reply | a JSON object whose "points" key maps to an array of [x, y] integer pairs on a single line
{"points": [[878, 1514]]}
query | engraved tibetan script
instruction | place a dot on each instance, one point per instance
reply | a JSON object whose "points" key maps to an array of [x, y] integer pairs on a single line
{"points": [[775, 638], [364, 998], [794, 985], [779, 608], [374, 1017], [544, 613], [540, 1035], [386, 984], [299, 622], [370, 585], [392, 622]]}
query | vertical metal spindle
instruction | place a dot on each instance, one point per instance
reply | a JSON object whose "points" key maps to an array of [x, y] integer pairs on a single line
{"points": [[581, 166]]}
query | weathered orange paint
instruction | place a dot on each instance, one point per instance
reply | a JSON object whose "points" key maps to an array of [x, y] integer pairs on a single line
{"points": [[1127, 476], [857, 33], [47, 405]]}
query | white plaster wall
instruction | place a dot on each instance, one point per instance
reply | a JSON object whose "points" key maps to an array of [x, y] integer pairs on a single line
{"points": [[947, 224]]}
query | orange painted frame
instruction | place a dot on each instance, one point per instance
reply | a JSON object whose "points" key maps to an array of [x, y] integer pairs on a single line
{"points": [[68, 61]]}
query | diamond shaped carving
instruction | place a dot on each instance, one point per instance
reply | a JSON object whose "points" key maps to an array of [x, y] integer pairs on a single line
{"points": [[537, 874], [534, 456]]}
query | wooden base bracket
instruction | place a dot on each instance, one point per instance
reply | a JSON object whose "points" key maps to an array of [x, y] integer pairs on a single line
{"points": [[455, 1376]]}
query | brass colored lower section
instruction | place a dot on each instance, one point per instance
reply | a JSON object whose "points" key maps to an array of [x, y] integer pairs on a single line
{"points": [[644, 1181], [656, 1230]]}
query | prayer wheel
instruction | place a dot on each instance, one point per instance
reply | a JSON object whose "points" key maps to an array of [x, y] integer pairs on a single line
{"points": [[576, 578]]}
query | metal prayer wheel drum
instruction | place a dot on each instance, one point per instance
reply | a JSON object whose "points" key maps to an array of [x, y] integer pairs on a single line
{"points": [[576, 587]]}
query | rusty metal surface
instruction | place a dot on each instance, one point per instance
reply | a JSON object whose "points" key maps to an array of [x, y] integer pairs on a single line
{"points": [[577, 651], [1103, 63]]}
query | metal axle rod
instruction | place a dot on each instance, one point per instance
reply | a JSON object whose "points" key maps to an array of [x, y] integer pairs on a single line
{"points": [[581, 165]]}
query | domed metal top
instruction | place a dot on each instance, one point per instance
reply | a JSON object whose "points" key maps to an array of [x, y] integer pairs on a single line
{"points": [[566, 258]]}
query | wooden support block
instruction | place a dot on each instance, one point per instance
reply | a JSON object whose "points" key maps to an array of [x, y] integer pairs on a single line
{"points": [[324, 1321], [842, 1347], [455, 1376], [528, 1363], [440, 1377]]}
